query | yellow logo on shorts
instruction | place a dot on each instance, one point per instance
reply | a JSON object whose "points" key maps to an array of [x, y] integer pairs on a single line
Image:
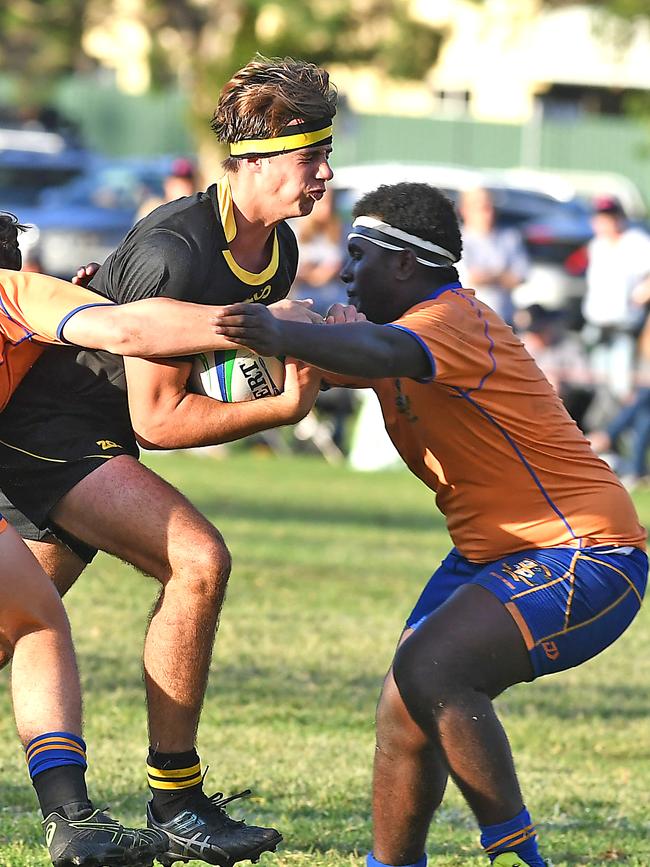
{"points": [[527, 571], [551, 650], [108, 444]]}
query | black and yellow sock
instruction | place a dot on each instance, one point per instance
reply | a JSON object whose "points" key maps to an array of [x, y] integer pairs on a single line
{"points": [[175, 779]]}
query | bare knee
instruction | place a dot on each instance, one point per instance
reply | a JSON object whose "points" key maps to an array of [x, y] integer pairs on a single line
{"points": [[39, 616], [201, 565]]}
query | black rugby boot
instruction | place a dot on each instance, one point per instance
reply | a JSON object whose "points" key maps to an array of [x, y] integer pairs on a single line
{"points": [[90, 838], [205, 832]]}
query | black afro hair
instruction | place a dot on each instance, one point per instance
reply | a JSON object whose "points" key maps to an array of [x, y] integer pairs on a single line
{"points": [[418, 209]]}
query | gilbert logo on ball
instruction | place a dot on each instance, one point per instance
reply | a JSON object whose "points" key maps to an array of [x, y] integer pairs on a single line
{"points": [[233, 375]]}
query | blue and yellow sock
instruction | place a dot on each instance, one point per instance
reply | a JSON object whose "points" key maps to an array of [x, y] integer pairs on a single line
{"points": [[174, 779], [57, 767], [371, 861], [518, 835]]}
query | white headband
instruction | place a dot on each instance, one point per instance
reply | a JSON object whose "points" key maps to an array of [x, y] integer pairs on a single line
{"points": [[381, 234]]}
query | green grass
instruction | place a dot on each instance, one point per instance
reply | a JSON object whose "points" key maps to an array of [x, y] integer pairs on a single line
{"points": [[327, 564]]}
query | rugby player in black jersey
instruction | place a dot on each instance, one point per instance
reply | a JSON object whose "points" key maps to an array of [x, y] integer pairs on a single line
{"points": [[223, 245]]}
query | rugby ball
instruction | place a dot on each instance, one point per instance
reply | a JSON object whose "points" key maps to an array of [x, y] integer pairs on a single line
{"points": [[233, 375]]}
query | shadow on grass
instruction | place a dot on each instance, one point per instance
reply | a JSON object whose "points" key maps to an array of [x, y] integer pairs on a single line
{"points": [[314, 689], [281, 511], [564, 702]]}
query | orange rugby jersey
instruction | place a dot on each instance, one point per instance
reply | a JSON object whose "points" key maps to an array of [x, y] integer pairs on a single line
{"points": [[510, 468], [33, 310]]}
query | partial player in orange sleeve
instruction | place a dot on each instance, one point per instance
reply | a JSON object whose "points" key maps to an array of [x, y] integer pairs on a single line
{"points": [[548, 566]]}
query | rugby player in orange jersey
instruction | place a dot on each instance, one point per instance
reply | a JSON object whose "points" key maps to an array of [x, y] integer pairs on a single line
{"points": [[34, 310], [548, 566]]}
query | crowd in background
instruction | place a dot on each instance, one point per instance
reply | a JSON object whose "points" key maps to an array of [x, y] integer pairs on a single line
{"points": [[600, 370]]}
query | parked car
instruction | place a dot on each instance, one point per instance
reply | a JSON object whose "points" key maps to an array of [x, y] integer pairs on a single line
{"points": [[85, 219], [31, 160]]}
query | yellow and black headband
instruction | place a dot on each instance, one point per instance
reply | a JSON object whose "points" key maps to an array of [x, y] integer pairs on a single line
{"points": [[293, 137]]}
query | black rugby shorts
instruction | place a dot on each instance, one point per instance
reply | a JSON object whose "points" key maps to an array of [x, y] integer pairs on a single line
{"points": [[46, 448]]}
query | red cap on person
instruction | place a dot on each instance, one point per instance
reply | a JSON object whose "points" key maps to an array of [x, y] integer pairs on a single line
{"points": [[182, 168], [608, 205]]}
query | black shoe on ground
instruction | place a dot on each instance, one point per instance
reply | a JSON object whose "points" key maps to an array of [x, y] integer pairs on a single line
{"points": [[93, 839], [205, 832]]}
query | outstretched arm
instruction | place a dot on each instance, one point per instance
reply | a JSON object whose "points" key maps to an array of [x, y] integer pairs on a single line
{"points": [[356, 348], [155, 327]]}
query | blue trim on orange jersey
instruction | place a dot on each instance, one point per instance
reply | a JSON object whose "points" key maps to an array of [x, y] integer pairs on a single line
{"points": [[517, 451], [437, 292], [486, 332], [423, 345], [59, 330], [28, 334]]}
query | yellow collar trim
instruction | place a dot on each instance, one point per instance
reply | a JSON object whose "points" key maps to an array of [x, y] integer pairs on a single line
{"points": [[226, 211], [279, 144], [249, 276], [224, 199]]}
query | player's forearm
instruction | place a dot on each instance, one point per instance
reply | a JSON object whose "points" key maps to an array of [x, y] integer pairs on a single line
{"points": [[201, 421], [148, 328], [357, 349]]}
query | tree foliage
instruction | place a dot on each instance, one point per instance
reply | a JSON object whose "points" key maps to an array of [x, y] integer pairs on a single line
{"points": [[40, 40], [198, 43], [224, 36], [198, 40]]}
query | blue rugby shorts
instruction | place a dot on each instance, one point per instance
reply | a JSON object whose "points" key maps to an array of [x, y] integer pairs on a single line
{"points": [[568, 603]]}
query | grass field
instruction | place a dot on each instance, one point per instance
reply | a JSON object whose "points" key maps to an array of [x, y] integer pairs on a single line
{"points": [[326, 566]]}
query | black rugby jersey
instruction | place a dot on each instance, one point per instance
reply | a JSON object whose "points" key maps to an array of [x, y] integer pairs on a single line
{"points": [[181, 250]]}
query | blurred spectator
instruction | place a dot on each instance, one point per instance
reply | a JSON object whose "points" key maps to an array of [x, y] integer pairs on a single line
{"points": [[625, 441], [494, 260], [181, 181], [559, 354], [618, 288], [320, 246], [633, 421]]}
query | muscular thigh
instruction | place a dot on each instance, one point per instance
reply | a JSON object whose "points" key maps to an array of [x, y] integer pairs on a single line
{"points": [[470, 640], [127, 510]]}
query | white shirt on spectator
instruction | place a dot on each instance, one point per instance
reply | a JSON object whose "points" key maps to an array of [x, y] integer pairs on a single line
{"points": [[615, 269]]}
